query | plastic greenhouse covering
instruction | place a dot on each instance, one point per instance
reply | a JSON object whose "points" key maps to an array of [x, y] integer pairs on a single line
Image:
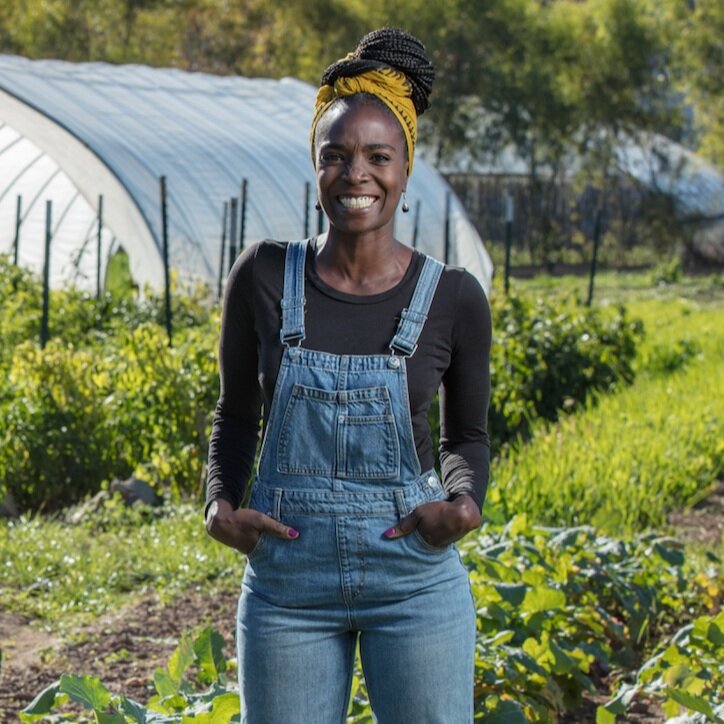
{"points": [[70, 133]]}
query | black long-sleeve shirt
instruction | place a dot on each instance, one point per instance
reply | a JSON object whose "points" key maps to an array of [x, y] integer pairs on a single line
{"points": [[452, 356]]}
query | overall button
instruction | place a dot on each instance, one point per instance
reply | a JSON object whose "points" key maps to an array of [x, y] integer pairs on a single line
{"points": [[393, 362]]}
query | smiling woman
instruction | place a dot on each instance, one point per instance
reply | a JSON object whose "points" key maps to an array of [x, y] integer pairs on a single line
{"points": [[345, 339]]}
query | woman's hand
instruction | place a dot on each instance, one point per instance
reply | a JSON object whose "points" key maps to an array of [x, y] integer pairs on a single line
{"points": [[242, 528], [440, 523]]}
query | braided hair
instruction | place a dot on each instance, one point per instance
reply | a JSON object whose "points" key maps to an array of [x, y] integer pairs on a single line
{"points": [[389, 48]]}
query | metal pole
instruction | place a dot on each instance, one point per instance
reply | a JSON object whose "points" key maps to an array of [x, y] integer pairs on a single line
{"points": [[596, 240], [232, 231], [307, 194], [98, 261], [448, 198], [225, 216], [509, 212], [18, 221], [416, 224], [167, 276], [242, 231], [44, 333]]}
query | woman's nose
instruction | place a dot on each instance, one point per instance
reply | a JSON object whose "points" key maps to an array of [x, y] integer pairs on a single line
{"points": [[356, 169]]}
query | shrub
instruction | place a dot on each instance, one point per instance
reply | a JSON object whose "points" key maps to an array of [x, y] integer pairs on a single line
{"points": [[549, 357]]}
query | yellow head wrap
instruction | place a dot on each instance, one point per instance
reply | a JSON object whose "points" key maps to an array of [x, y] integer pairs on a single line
{"points": [[389, 85]]}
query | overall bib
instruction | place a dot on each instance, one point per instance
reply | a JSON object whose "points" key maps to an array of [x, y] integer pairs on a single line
{"points": [[338, 463]]}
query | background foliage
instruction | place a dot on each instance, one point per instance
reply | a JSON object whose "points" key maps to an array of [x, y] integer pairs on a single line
{"points": [[561, 83]]}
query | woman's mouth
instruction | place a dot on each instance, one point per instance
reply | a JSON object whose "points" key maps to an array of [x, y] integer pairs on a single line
{"points": [[356, 202]]}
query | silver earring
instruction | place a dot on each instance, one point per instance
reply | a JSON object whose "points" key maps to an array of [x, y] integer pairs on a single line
{"points": [[405, 205]]}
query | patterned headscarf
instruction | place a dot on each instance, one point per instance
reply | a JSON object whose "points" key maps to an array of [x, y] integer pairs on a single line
{"points": [[389, 85]]}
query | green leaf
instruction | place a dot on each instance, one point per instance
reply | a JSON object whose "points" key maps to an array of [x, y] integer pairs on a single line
{"points": [[677, 675], [672, 556], [132, 710], [165, 685], [619, 704], [104, 718], [715, 633], [209, 650], [506, 712], [543, 598], [603, 716], [224, 708], [513, 593], [43, 703], [86, 690], [695, 703], [180, 660]]}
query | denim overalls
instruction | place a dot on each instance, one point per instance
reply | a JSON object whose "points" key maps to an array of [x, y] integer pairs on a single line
{"points": [[338, 463]]}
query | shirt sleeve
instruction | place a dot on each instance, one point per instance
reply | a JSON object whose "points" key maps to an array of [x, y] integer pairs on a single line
{"points": [[465, 396], [235, 427]]}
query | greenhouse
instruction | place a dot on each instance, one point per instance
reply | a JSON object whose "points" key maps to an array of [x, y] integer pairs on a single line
{"points": [[95, 139]]}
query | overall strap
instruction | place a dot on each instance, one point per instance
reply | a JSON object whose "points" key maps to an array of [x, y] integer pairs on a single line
{"points": [[413, 317], [293, 299]]}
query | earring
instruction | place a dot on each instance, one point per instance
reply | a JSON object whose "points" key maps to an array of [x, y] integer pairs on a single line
{"points": [[405, 205], [318, 206]]}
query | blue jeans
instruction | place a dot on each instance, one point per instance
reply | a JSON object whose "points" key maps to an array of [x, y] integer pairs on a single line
{"points": [[306, 602], [339, 464]]}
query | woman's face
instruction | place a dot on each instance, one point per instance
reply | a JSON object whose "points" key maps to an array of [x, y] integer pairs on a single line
{"points": [[361, 167]]}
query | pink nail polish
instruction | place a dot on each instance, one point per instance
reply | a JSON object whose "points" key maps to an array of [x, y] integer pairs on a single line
{"points": [[293, 533], [389, 533]]}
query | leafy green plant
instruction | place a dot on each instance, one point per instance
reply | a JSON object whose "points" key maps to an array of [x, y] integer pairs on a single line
{"points": [[176, 700], [686, 674], [557, 608], [547, 357], [626, 461]]}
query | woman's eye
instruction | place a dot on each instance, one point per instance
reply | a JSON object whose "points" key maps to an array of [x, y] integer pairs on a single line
{"points": [[331, 157], [380, 158]]}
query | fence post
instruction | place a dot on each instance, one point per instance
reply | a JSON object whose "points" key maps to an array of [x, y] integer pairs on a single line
{"points": [[509, 212], [416, 224], [225, 215], [596, 241], [18, 221], [448, 198], [98, 260], [44, 333], [167, 276], [234, 211], [242, 230], [307, 194]]}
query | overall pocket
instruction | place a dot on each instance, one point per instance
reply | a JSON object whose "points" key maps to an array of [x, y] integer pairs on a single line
{"points": [[339, 433]]}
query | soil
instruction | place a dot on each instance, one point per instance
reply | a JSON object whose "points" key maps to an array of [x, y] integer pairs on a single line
{"points": [[703, 523], [125, 648], [122, 649]]}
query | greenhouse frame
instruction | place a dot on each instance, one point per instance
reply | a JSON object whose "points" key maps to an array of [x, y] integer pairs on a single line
{"points": [[72, 133]]}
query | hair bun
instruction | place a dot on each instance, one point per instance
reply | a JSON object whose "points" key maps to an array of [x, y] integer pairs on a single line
{"points": [[392, 48]]}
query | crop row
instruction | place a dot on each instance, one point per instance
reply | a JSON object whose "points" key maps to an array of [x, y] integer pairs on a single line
{"points": [[107, 396], [558, 610]]}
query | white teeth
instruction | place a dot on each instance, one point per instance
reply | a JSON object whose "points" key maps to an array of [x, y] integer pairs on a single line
{"points": [[356, 202]]}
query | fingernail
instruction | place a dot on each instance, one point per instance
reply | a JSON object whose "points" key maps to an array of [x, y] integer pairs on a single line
{"points": [[389, 533], [293, 533]]}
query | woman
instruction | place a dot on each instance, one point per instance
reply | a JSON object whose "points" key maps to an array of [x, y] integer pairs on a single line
{"points": [[345, 339]]}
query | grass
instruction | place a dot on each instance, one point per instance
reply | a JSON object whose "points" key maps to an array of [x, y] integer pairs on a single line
{"points": [[631, 457], [55, 571]]}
